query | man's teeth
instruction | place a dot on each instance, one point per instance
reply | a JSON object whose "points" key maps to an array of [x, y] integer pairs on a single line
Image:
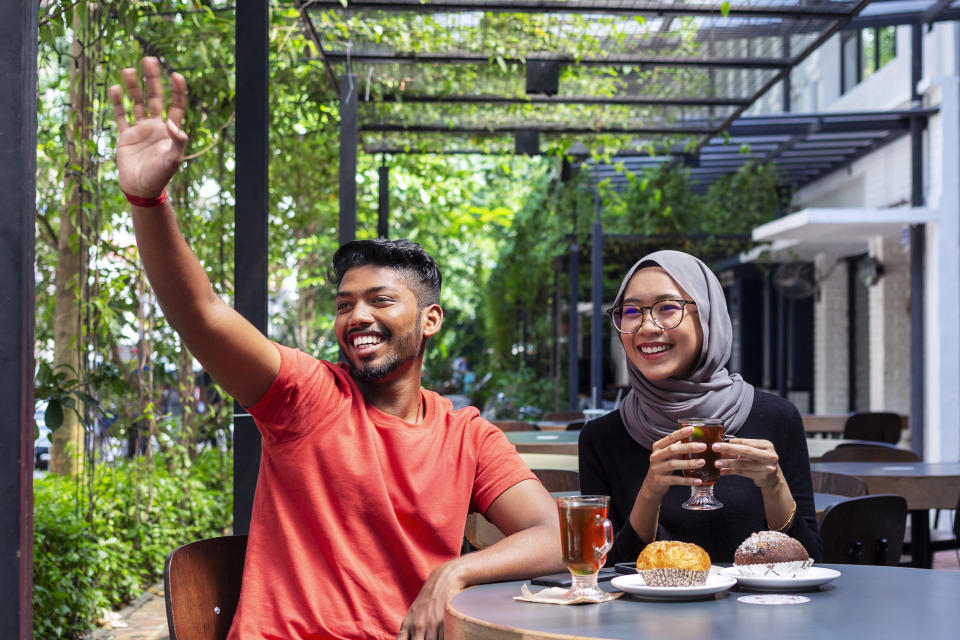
{"points": [[657, 349], [362, 341]]}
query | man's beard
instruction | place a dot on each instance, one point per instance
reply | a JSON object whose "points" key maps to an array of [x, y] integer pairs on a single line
{"points": [[406, 349]]}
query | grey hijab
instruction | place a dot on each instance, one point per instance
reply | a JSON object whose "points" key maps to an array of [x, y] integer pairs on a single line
{"points": [[651, 409]]}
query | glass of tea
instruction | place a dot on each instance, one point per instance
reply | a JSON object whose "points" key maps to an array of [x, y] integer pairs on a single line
{"points": [[708, 431], [586, 535]]}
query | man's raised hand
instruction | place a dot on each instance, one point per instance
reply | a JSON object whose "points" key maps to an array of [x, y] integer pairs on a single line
{"points": [[149, 150]]}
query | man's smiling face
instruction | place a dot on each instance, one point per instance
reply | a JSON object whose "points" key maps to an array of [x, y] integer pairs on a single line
{"points": [[378, 323]]}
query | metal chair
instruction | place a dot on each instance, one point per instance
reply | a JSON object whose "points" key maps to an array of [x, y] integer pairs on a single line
{"points": [[880, 426], [201, 587], [869, 453], [864, 530]]}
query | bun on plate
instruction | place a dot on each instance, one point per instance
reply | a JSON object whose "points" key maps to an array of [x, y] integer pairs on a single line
{"points": [[771, 553], [671, 563]]}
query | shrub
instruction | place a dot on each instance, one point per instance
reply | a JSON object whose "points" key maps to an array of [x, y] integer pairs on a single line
{"points": [[100, 541]]}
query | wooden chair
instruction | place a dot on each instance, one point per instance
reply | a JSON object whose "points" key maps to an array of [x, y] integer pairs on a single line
{"points": [[515, 425], [555, 480], [562, 416], [864, 530], [201, 585], [869, 453], [880, 426], [838, 484]]}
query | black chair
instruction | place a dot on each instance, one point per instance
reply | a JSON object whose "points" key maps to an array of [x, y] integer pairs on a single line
{"points": [[201, 587], [869, 453], [576, 425], [561, 416], [879, 426], [838, 484], [864, 530]]}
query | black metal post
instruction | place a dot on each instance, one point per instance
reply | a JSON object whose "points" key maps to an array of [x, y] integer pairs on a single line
{"points": [[787, 85], [348, 157], [782, 345], [250, 244], [596, 350], [573, 367], [917, 250], [383, 211], [18, 167]]}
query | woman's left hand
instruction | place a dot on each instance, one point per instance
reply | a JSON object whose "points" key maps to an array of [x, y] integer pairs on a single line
{"points": [[754, 459]]}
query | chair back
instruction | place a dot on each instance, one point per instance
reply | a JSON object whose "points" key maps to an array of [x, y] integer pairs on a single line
{"points": [[869, 453], [838, 484], [864, 530], [515, 425], [576, 425], [879, 426], [201, 585], [558, 479], [562, 416]]}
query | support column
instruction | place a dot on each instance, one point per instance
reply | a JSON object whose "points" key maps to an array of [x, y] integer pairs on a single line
{"points": [[596, 342], [383, 211], [573, 367], [18, 168], [250, 244], [348, 158], [917, 247]]}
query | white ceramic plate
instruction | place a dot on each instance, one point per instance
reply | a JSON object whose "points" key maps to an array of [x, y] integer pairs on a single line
{"points": [[814, 577], [634, 584]]}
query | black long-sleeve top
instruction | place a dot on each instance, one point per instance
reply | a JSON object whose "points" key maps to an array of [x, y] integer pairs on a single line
{"points": [[614, 464]]}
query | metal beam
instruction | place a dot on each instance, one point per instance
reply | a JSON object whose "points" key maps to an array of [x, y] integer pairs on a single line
{"points": [[542, 128], [463, 57], [18, 167], [538, 99], [250, 244], [348, 158], [592, 6]]}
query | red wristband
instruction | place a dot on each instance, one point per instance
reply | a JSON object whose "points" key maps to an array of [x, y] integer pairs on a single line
{"points": [[147, 203]]}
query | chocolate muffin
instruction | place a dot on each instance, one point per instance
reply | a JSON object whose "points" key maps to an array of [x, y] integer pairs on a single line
{"points": [[771, 553]]}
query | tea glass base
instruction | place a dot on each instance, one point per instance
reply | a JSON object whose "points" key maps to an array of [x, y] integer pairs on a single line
{"points": [[702, 499], [586, 588]]}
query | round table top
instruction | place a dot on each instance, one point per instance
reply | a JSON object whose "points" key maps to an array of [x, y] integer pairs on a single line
{"points": [[864, 602]]}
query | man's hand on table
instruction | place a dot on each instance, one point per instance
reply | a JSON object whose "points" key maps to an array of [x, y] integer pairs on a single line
{"points": [[424, 620]]}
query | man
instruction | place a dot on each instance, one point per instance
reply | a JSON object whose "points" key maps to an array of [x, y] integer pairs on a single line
{"points": [[365, 478]]}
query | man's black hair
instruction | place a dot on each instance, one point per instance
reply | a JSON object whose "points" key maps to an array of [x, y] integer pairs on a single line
{"points": [[403, 255]]}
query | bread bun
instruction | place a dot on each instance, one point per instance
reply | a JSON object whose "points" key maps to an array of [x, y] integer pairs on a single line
{"points": [[771, 553], [671, 563]]}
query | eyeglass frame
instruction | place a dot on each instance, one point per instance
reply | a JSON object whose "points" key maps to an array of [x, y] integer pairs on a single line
{"points": [[653, 318]]}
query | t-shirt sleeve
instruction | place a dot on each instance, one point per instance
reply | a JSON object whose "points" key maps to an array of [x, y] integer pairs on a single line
{"points": [[304, 392], [499, 466]]}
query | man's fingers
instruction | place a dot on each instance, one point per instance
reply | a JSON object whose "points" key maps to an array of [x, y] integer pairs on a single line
{"points": [[154, 84], [132, 83], [116, 97], [178, 105]]}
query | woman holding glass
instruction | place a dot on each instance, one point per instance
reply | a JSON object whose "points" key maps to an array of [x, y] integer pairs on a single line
{"points": [[676, 332]]}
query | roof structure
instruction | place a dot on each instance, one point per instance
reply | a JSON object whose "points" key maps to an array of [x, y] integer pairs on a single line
{"points": [[549, 76]]}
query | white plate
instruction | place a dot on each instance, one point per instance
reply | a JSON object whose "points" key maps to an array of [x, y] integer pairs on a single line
{"points": [[814, 577], [634, 584]]}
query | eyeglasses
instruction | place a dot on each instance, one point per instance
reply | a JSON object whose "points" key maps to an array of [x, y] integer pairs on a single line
{"points": [[666, 314]]}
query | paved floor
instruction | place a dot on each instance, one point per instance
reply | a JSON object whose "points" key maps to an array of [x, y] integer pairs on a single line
{"points": [[146, 617]]}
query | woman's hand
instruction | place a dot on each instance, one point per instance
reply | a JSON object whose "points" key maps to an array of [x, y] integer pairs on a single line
{"points": [[669, 455], [754, 459], [150, 150]]}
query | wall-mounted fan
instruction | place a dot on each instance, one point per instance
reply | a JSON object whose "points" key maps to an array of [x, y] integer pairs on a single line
{"points": [[796, 279]]}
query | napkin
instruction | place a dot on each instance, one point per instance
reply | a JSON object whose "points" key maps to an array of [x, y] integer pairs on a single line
{"points": [[557, 595]]}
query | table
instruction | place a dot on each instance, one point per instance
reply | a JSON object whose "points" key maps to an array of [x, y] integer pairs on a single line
{"points": [[540, 442], [864, 602], [924, 485]]}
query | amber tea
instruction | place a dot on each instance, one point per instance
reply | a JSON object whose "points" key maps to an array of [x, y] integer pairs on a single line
{"points": [[581, 533], [708, 434]]}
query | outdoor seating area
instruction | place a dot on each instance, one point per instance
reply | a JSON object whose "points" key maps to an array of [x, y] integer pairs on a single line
{"points": [[417, 318]]}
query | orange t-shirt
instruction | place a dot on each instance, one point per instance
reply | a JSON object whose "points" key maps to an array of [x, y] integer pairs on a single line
{"points": [[355, 507]]}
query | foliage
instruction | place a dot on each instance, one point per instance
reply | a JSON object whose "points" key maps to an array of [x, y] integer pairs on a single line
{"points": [[97, 551]]}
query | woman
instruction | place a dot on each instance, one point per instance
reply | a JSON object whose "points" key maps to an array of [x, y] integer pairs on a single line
{"points": [[673, 323]]}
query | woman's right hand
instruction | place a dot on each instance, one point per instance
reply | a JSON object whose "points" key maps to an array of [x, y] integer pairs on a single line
{"points": [[150, 150], [669, 454]]}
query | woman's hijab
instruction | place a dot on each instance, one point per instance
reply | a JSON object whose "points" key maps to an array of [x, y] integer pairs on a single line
{"points": [[651, 408]]}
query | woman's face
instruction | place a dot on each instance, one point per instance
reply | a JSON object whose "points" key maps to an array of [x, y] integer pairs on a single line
{"points": [[660, 354]]}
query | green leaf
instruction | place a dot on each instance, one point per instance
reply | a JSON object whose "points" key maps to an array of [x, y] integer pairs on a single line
{"points": [[53, 416], [725, 8]]}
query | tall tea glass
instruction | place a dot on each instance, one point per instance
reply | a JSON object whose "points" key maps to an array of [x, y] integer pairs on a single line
{"points": [[586, 535], [708, 431]]}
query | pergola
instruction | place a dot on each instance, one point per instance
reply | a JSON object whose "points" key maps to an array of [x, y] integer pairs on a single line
{"points": [[677, 77]]}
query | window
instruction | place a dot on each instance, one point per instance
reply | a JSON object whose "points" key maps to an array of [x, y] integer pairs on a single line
{"points": [[863, 52]]}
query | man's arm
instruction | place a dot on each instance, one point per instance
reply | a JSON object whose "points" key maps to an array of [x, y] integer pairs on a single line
{"points": [[149, 152], [527, 514]]}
